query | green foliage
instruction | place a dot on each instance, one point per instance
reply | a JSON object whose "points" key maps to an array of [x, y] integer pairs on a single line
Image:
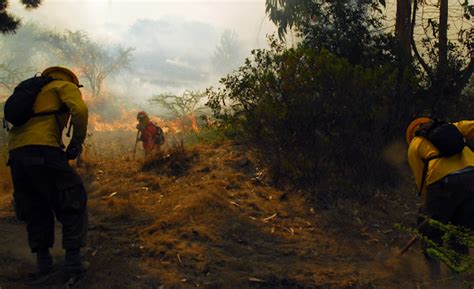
{"points": [[444, 85], [204, 136], [313, 114], [9, 23], [187, 103], [288, 13], [456, 262], [353, 30], [185, 107], [349, 29], [466, 101]]}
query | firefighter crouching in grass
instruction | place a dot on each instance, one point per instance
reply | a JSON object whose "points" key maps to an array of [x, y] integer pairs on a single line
{"points": [[150, 134], [44, 183], [443, 167]]}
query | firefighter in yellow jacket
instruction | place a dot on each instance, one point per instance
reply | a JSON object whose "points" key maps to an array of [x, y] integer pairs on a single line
{"points": [[44, 184], [447, 189]]}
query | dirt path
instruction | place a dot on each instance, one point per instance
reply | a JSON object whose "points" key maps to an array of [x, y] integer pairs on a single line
{"points": [[208, 219]]}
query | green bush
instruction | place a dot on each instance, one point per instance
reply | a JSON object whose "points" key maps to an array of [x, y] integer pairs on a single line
{"points": [[456, 262], [315, 116]]}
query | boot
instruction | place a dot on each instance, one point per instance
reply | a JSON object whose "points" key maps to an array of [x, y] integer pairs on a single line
{"points": [[44, 265], [44, 261], [434, 268], [73, 265]]}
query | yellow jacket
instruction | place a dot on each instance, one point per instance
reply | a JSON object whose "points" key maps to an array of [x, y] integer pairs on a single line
{"points": [[47, 130], [420, 148]]}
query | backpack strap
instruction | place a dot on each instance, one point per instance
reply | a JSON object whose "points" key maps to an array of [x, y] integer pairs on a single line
{"points": [[5, 125], [425, 171]]}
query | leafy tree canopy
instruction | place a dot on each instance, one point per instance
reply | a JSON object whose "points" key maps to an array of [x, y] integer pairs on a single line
{"points": [[9, 23], [350, 29]]}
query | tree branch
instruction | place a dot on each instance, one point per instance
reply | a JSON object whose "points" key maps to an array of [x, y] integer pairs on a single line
{"points": [[466, 76], [413, 44]]}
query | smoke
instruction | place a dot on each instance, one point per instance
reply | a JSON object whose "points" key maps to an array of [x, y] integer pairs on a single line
{"points": [[171, 55], [396, 155], [173, 43]]}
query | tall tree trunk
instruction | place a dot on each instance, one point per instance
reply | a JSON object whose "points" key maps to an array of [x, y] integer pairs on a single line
{"points": [[443, 40], [403, 33], [403, 30]]}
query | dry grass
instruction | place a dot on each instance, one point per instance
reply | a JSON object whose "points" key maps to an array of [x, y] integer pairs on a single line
{"points": [[216, 223]]}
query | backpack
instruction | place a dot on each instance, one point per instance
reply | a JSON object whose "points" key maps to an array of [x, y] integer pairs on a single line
{"points": [[159, 136], [447, 139], [19, 106]]}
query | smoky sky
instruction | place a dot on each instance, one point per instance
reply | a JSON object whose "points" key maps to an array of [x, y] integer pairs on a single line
{"points": [[172, 52], [173, 41]]}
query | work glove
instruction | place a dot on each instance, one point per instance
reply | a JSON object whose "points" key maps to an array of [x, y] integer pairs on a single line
{"points": [[72, 151]]}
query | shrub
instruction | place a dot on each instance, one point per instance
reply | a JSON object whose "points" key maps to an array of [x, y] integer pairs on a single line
{"points": [[455, 261], [314, 115]]}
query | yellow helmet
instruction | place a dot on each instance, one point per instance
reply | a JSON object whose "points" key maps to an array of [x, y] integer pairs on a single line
{"points": [[58, 72], [414, 126]]}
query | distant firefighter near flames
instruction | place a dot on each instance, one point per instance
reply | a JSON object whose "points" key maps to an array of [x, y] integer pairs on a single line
{"points": [[150, 134]]}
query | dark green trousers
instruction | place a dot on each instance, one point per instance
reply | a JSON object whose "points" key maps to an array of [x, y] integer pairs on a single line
{"points": [[46, 186]]}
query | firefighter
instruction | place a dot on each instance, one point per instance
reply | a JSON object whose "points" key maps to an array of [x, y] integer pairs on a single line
{"points": [[44, 183], [150, 134], [445, 180]]}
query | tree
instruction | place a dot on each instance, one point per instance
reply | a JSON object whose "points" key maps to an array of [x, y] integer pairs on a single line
{"points": [[10, 76], [24, 50], [95, 61], [403, 30], [185, 107], [8, 22], [352, 30], [447, 64], [347, 28], [228, 53]]}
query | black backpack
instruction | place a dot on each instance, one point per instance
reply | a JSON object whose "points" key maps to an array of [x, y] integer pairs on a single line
{"points": [[159, 136], [447, 139], [19, 106]]}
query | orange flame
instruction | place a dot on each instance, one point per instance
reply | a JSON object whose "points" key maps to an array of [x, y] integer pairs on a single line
{"points": [[127, 120]]}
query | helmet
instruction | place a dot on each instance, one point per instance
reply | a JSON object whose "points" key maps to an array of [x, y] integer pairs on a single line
{"points": [[62, 73], [414, 126], [142, 115]]}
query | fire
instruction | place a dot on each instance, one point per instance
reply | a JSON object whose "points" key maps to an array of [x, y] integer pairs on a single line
{"points": [[126, 120], [97, 123], [194, 125]]}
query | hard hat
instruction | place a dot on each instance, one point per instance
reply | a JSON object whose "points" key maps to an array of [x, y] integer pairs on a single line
{"points": [[141, 115], [62, 73], [414, 126]]}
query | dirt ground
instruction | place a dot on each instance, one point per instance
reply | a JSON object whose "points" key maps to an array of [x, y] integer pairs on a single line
{"points": [[208, 218]]}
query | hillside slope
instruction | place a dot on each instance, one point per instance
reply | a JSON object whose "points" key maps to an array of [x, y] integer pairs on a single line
{"points": [[207, 218]]}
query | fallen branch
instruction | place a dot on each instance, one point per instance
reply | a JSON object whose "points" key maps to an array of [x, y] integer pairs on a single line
{"points": [[253, 279], [269, 218], [408, 245], [110, 196], [179, 260]]}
